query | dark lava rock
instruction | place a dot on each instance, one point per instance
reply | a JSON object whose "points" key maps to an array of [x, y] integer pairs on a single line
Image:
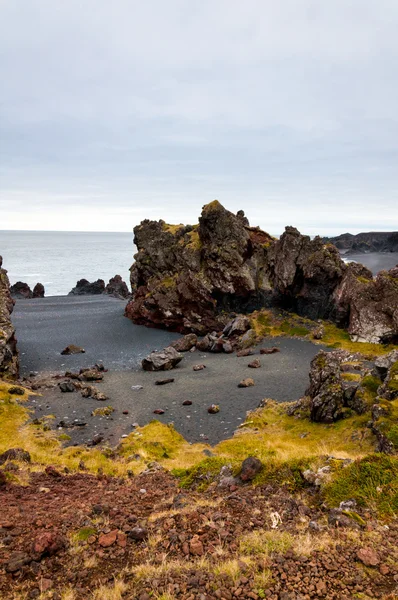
{"points": [[238, 326], [16, 390], [255, 364], [251, 466], [38, 291], [213, 409], [185, 343], [138, 533], [66, 386], [15, 454], [158, 411], [17, 561], [248, 382], [21, 290], [164, 381], [84, 287], [326, 390], [245, 352], [198, 367], [162, 361], [187, 403], [272, 350], [117, 288], [190, 278], [72, 349]]}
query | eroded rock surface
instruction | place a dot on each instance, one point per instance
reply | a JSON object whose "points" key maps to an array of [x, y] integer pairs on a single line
{"points": [[84, 287], [191, 278], [8, 342]]}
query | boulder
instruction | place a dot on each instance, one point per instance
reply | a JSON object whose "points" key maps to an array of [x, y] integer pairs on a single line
{"points": [[185, 343], [21, 290], [117, 288], [237, 326], [72, 349], [251, 466], [325, 389], [84, 287], [15, 454], [368, 307], [255, 364], [246, 383], [162, 361], [38, 291]]}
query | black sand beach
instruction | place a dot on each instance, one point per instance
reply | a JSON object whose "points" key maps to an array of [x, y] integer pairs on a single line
{"points": [[46, 326]]}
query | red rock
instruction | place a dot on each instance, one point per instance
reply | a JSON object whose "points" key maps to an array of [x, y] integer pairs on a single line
{"points": [[48, 543], [45, 584], [269, 350], [107, 539], [255, 364], [50, 470], [368, 556], [196, 546], [158, 411], [121, 539], [384, 569]]}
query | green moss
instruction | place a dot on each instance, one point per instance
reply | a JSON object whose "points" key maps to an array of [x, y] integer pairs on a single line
{"points": [[371, 384], [363, 279], [334, 337], [393, 378], [194, 242], [84, 533], [202, 474], [355, 517], [173, 229], [168, 282], [294, 330], [214, 205], [371, 481], [350, 376]]}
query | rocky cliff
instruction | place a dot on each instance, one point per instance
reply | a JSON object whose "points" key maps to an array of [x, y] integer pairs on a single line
{"points": [[374, 241], [190, 278], [8, 351]]}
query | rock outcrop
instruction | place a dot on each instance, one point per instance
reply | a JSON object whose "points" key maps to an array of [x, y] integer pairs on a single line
{"points": [[117, 287], [8, 342], [84, 287], [21, 290], [185, 277], [191, 278], [374, 241], [38, 291]]}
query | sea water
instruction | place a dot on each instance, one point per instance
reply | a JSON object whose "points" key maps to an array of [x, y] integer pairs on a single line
{"points": [[59, 259]]}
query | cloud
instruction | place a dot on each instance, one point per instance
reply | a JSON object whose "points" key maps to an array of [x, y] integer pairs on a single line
{"points": [[162, 106]]}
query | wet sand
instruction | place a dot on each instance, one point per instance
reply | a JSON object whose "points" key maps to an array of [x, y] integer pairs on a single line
{"points": [[46, 326]]}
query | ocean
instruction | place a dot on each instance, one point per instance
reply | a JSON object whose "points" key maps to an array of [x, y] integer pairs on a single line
{"points": [[59, 259]]}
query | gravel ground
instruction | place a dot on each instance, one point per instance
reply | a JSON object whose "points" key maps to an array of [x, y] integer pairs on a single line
{"points": [[97, 323]]}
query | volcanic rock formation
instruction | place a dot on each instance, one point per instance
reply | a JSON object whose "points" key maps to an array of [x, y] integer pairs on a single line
{"points": [[8, 342], [190, 278]]}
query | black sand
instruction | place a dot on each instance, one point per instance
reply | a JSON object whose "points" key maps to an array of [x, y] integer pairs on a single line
{"points": [[46, 326]]}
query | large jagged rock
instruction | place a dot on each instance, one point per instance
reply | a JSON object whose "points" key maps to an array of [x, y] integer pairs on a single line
{"points": [[84, 287], [185, 278], [325, 390], [165, 360], [8, 342], [304, 274], [38, 291], [367, 306], [117, 288], [190, 278], [21, 290]]}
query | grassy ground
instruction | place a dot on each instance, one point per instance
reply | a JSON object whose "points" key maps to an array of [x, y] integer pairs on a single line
{"points": [[271, 323]]}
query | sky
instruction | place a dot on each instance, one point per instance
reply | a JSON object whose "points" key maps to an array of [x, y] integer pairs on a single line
{"points": [[116, 111]]}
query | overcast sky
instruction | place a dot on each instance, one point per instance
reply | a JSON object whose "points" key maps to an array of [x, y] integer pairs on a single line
{"points": [[115, 111]]}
